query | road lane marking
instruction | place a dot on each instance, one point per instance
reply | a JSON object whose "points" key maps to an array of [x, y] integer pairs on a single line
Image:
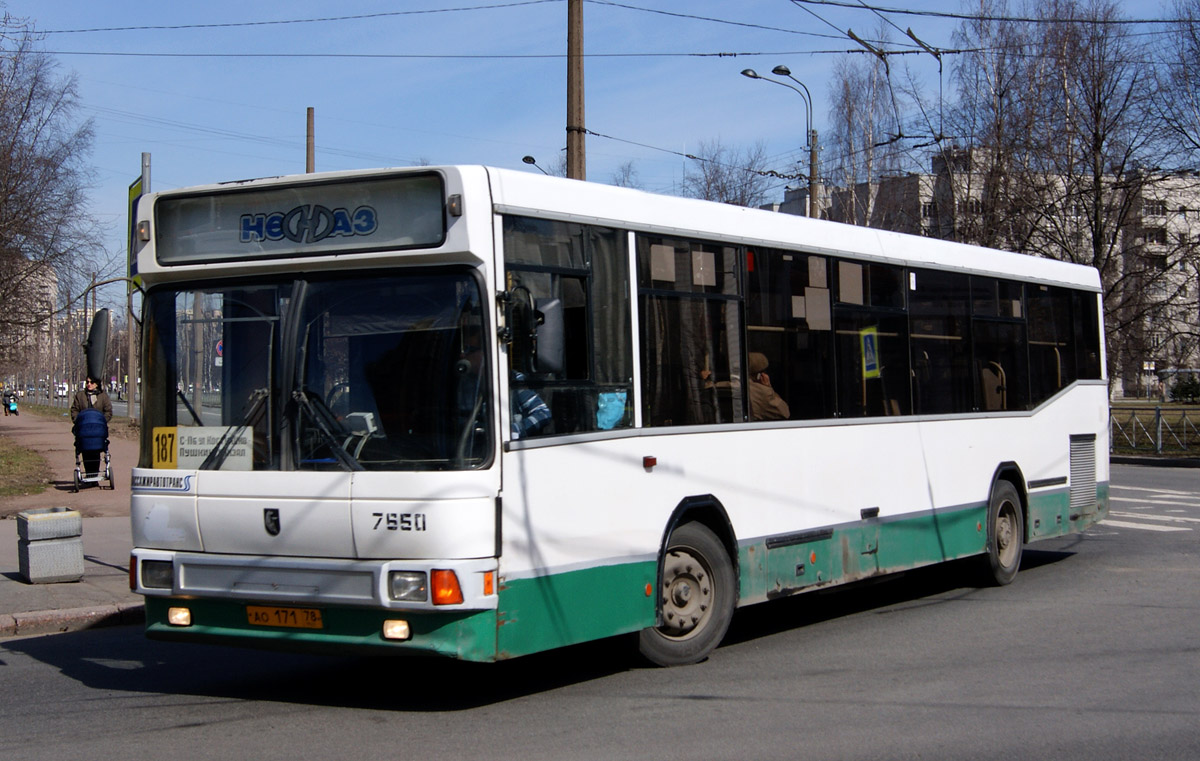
{"points": [[1143, 527], [1147, 517], [1153, 501], [1153, 490]]}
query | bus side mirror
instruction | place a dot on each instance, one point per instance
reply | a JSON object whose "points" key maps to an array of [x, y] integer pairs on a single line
{"points": [[534, 331], [95, 348]]}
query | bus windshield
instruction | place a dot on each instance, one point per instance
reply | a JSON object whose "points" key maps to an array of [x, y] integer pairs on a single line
{"points": [[378, 372]]}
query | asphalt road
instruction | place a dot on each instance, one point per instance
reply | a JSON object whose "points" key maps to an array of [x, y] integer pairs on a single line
{"points": [[1092, 653]]}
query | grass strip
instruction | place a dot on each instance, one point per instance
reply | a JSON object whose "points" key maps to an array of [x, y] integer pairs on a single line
{"points": [[22, 471]]}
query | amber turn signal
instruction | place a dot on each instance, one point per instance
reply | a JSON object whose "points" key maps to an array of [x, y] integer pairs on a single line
{"points": [[445, 588]]}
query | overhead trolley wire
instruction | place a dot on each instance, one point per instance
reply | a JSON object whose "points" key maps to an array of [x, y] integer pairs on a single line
{"points": [[324, 19]]}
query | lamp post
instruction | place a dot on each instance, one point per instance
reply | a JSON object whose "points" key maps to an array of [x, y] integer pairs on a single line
{"points": [[533, 162], [814, 182]]}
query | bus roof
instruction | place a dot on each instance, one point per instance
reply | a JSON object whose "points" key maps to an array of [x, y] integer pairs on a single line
{"points": [[532, 194], [523, 192]]}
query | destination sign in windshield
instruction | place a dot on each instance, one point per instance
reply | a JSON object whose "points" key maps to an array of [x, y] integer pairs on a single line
{"points": [[302, 220]]}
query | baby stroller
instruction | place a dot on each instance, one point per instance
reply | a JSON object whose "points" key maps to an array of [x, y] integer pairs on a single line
{"points": [[92, 463]]}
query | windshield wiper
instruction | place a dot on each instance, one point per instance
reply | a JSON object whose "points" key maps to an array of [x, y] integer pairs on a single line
{"points": [[183, 398], [326, 423], [215, 458]]}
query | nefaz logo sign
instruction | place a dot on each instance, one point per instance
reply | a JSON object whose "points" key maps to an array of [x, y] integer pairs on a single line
{"points": [[309, 223]]}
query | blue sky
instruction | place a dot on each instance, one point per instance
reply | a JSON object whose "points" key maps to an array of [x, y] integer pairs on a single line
{"points": [[402, 85]]}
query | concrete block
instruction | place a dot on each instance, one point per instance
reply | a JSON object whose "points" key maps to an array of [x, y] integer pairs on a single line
{"points": [[49, 523], [47, 561]]}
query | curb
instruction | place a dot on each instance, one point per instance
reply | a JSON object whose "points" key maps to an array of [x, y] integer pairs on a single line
{"points": [[70, 619]]}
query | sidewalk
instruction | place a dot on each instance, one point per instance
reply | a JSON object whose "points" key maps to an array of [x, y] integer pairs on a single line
{"points": [[52, 439], [102, 597]]}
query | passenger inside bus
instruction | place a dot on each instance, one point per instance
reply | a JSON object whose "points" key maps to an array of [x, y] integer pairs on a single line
{"points": [[530, 415], [765, 404]]}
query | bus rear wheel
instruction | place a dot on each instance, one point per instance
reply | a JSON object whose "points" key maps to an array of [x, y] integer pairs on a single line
{"points": [[1005, 537], [696, 599]]}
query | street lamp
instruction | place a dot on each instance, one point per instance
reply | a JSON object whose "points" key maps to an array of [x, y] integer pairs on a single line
{"points": [[533, 162], [814, 184]]}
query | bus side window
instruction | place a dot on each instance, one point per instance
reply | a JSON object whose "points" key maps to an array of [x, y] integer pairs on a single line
{"points": [[789, 322], [999, 341], [871, 326], [691, 332], [582, 272], [939, 319]]}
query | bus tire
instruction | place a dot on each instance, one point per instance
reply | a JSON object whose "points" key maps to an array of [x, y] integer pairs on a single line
{"points": [[696, 601], [1005, 536]]}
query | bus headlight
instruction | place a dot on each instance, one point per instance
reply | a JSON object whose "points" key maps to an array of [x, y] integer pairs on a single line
{"points": [[408, 586], [158, 574]]}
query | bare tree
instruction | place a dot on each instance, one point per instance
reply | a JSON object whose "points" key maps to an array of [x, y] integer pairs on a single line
{"points": [[1088, 167], [626, 176], [734, 176], [1178, 85], [1177, 108], [1059, 155], [47, 239], [974, 163]]}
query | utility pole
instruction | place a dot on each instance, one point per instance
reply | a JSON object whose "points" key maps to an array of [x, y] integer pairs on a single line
{"points": [[814, 177], [576, 159], [310, 160], [87, 330], [131, 366]]}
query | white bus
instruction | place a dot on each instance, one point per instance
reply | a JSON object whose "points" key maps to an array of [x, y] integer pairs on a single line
{"points": [[483, 413]]}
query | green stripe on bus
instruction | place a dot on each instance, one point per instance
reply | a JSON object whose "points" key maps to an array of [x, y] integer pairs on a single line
{"points": [[551, 611], [860, 550], [850, 552]]}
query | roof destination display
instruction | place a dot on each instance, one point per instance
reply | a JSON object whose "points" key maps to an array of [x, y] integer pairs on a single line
{"points": [[389, 213]]}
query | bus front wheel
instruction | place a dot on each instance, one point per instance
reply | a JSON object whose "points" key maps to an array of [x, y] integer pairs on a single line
{"points": [[696, 599], [1005, 537]]}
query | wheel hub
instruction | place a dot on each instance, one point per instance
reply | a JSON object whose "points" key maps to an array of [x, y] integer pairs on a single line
{"points": [[1006, 539], [681, 592], [687, 594]]}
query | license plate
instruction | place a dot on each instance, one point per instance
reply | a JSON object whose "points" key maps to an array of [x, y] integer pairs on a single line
{"points": [[290, 618]]}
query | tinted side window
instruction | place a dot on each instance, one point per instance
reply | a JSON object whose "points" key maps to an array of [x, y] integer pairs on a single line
{"points": [[1001, 353], [582, 271], [789, 321], [941, 342], [872, 341], [1087, 334], [1052, 361], [692, 333]]}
